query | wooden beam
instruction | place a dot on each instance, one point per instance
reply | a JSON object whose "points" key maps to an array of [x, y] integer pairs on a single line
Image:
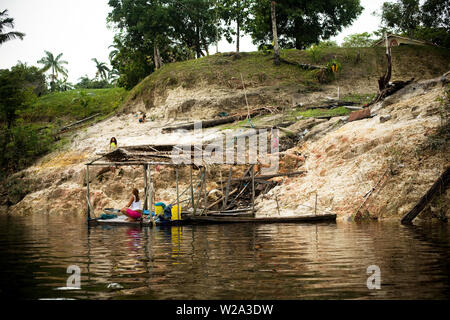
{"points": [[221, 199]]}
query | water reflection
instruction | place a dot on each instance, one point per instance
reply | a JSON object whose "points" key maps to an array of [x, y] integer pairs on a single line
{"points": [[242, 261]]}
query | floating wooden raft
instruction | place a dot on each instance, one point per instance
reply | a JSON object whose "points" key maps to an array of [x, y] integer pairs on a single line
{"points": [[190, 220], [292, 219]]}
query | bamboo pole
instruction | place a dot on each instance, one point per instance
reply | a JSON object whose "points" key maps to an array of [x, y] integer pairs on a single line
{"points": [[253, 189]]}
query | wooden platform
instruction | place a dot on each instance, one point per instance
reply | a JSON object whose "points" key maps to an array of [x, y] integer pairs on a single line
{"points": [[191, 220]]}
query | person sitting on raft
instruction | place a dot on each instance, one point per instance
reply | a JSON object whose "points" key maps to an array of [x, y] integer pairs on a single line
{"points": [[133, 209], [143, 118]]}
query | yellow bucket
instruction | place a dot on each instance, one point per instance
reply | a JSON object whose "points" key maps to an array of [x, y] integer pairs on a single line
{"points": [[159, 210], [176, 213]]}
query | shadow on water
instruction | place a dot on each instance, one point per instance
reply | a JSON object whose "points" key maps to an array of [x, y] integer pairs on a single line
{"points": [[240, 261]]}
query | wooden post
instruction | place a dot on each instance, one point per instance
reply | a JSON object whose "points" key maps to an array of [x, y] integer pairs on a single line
{"points": [[206, 197], [225, 200], [178, 195], [192, 187], [253, 189], [146, 187], [150, 184], [315, 206], [88, 201], [202, 179]]}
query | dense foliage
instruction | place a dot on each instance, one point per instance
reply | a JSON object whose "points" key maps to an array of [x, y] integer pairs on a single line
{"points": [[302, 23], [427, 20], [157, 31], [358, 40], [17, 141]]}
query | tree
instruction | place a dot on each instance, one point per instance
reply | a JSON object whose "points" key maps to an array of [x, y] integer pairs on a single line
{"points": [[429, 21], [401, 16], [275, 33], [33, 77], [358, 40], [7, 22], [56, 66], [436, 14], [133, 60], [14, 95], [102, 69], [301, 23], [194, 24], [236, 11]]}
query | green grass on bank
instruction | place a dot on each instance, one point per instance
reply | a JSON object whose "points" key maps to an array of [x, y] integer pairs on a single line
{"points": [[257, 68], [65, 107]]}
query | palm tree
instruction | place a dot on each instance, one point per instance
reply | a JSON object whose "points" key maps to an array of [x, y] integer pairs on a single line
{"points": [[56, 65], [5, 21], [113, 76], [102, 69]]}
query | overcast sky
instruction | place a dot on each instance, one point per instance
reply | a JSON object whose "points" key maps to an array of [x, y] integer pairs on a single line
{"points": [[78, 29]]}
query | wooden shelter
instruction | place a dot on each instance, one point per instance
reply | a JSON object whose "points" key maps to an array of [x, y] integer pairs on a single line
{"points": [[149, 156], [230, 211]]}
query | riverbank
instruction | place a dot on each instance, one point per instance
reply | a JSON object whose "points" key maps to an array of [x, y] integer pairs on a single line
{"points": [[394, 150]]}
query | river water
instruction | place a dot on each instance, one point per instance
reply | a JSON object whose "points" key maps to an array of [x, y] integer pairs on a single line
{"points": [[239, 261]]}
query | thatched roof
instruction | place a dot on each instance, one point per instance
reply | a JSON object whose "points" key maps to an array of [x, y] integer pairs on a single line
{"points": [[152, 155]]}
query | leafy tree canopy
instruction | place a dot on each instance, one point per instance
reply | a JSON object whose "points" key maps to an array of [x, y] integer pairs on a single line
{"points": [[14, 94], [302, 23], [358, 40], [8, 22], [428, 20]]}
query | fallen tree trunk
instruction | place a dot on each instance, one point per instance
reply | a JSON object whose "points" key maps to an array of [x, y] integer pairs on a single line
{"points": [[304, 66], [436, 189], [333, 104], [78, 122], [216, 122]]}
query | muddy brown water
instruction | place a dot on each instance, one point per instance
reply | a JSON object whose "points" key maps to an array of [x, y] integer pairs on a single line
{"points": [[240, 261]]}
